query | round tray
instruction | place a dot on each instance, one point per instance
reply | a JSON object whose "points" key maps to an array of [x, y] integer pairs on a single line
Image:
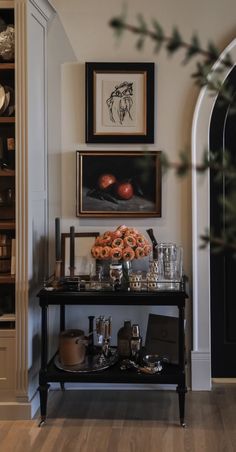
{"points": [[92, 363]]}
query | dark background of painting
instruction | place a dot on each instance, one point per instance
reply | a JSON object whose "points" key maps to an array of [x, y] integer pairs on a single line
{"points": [[140, 171]]}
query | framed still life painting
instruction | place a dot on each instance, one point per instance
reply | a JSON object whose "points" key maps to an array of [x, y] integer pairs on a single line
{"points": [[119, 102], [118, 184]]}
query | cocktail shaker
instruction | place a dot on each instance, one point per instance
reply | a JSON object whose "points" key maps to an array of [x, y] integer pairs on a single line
{"points": [[135, 343]]}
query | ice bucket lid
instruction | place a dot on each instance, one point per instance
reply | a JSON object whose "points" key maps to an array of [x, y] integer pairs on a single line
{"points": [[71, 334]]}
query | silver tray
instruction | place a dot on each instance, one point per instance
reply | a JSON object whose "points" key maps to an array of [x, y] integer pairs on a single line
{"points": [[92, 363]]}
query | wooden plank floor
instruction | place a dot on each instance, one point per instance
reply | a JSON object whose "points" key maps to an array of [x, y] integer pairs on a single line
{"points": [[128, 421]]}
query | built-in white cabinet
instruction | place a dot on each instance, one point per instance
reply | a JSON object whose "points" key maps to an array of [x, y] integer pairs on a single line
{"points": [[28, 225]]}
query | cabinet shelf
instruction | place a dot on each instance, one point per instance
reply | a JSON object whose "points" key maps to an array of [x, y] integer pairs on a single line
{"points": [[170, 374], [7, 318], [7, 224], [7, 278], [7, 204], [7, 119], [7, 172], [7, 66]]}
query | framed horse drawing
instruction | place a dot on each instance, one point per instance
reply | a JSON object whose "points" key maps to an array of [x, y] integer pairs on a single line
{"points": [[120, 102]]}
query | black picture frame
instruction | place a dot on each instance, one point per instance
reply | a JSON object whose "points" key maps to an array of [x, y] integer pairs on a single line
{"points": [[120, 102], [136, 174], [162, 337]]}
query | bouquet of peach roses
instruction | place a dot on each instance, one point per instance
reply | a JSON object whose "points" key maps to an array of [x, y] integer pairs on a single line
{"points": [[122, 244]]}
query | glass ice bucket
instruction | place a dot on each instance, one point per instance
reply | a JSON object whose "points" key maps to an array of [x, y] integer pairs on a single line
{"points": [[170, 259]]}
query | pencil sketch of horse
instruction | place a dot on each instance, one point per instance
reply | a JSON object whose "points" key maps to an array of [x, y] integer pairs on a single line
{"points": [[120, 102]]}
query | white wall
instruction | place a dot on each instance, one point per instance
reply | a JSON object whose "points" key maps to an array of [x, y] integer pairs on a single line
{"points": [[86, 25], [59, 51]]}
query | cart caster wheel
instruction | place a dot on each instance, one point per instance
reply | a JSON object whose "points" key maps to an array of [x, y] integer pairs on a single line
{"points": [[42, 422], [183, 424]]}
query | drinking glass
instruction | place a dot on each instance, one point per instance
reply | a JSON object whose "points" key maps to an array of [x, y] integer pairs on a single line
{"points": [[96, 278], [135, 281], [116, 274]]}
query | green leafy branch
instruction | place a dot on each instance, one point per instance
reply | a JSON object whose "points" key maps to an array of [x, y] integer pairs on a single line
{"points": [[225, 240], [204, 74], [220, 162], [210, 75], [222, 169], [173, 43], [218, 244]]}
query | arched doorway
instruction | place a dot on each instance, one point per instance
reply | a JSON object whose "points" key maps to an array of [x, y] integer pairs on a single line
{"points": [[223, 265], [201, 353]]}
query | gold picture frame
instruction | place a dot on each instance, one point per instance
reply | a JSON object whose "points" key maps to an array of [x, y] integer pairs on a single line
{"points": [[139, 172]]}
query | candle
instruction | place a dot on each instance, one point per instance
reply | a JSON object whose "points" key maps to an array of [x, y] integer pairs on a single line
{"points": [[91, 339], [72, 249], [57, 239]]}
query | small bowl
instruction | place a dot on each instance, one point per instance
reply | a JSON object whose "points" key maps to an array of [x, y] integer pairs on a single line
{"points": [[152, 360]]}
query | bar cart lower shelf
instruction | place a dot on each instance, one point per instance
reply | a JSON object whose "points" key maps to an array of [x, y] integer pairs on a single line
{"points": [[50, 373]]}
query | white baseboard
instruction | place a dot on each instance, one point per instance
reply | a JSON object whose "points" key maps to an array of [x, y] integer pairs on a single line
{"points": [[226, 381], [201, 371], [19, 410], [15, 411]]}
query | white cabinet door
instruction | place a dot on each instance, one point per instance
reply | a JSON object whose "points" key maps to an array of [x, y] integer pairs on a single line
{"points": [[7, 360]]}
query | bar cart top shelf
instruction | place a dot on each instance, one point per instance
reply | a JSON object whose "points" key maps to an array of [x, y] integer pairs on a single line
{"points": [[50, 296]]}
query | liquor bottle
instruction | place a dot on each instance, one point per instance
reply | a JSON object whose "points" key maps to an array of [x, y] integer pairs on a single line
{"points": [[154, 243], [135, 343], [123, 340]]}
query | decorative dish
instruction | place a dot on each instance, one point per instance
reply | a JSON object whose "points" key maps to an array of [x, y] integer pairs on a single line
{"points": [[92, 363]]}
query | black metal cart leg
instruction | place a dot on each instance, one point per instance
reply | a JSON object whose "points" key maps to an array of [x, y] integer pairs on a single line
{"points": [[181, 393], [62, 384], [43, 395]]}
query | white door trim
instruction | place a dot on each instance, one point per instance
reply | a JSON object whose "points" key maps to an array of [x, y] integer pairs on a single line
{"points": [[201, 353]]}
